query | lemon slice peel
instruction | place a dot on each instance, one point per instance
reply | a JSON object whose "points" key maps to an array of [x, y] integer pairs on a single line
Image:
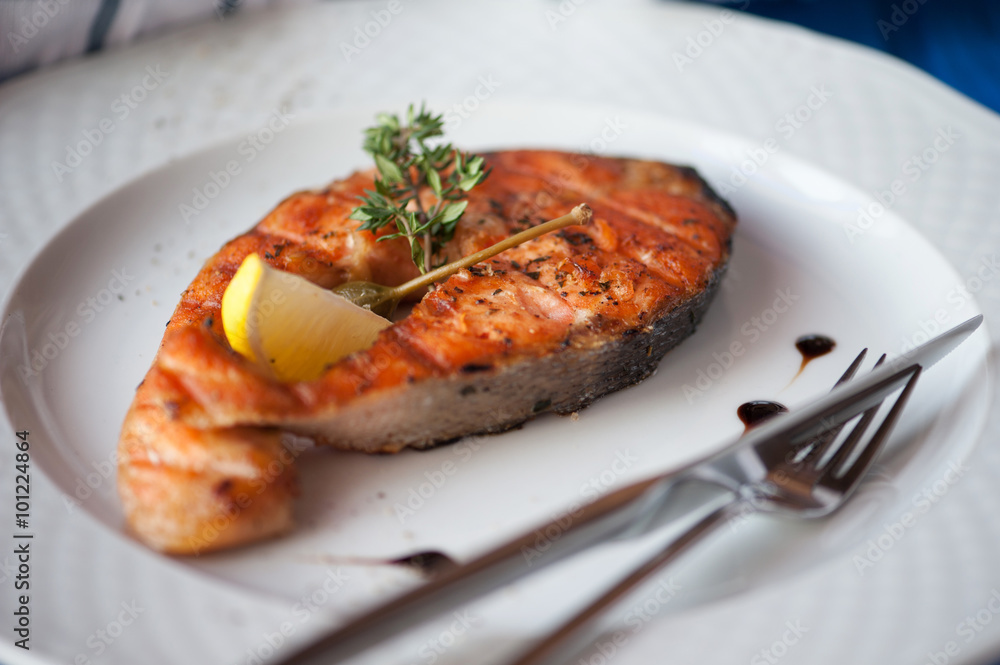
{"points": [[289, 326]]}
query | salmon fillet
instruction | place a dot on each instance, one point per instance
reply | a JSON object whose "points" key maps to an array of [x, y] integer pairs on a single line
{"points": [[550, 325]]}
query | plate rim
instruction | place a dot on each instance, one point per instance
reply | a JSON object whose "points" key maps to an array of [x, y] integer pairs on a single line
{"points": [[886, 64], [679, 125]]}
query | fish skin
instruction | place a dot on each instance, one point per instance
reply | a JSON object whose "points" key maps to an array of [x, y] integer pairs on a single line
{"points": [[550, 325]]}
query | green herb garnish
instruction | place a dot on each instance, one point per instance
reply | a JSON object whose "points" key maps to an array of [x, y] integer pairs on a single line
{"points": [[408, 167]]}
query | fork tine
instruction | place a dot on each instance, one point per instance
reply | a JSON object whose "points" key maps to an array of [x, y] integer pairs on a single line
{"points": [[853, 369], [821, 444], [845, 450], [851, 476]]}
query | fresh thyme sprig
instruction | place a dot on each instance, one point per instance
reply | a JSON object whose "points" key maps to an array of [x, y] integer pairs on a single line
{"points": [[408, 166]]}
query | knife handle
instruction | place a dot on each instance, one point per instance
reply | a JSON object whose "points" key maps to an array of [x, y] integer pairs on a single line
{"points": [[613, 515]]}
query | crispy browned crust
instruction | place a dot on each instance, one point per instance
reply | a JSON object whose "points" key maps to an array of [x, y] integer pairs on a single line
{"points": [[550, 325]]}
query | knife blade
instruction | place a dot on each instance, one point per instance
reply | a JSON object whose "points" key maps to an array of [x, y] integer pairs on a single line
{"points": [[627, 512]]}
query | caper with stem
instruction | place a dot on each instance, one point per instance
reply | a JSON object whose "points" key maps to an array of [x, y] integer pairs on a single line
{"points": [[383, 299]]}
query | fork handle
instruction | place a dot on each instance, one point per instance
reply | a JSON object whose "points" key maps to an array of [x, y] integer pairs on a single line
{"points": [[572, 635]]}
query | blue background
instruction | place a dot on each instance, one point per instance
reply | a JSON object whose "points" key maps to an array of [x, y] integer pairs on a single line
{"points": [[957, 41]]}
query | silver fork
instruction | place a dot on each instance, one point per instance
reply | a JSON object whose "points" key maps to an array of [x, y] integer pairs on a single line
{"points": [[810, 478], [782, 465]]}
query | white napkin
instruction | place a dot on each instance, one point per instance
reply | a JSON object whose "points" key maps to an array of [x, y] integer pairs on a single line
{"points": [[40, 32]]}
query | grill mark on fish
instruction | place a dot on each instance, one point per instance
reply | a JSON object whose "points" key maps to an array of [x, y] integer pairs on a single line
{"points": [[550, 325]]}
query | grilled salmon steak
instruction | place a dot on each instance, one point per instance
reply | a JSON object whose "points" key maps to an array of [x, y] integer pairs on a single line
{"points": [[550, 325]]}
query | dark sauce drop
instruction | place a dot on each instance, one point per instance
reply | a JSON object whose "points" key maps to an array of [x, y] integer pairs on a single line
{"points": [[755, 412], [428, 563], [813, 346]]}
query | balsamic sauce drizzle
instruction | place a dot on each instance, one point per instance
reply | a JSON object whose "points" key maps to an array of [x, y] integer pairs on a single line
{"points": [[427, 563], [813, 346], [755, 412]]}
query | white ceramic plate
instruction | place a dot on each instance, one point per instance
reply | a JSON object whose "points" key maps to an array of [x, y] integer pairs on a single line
{"points": [[80, 318], [230, 78]]}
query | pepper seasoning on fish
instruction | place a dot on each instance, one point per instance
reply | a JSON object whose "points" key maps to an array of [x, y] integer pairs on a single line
{"points": [[550, 325]]}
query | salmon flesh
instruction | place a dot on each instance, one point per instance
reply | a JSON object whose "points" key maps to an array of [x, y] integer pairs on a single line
{"points": [[550, 325]]}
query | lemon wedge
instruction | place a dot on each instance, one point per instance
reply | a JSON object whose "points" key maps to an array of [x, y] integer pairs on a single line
{"points": [[290, 325]]}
